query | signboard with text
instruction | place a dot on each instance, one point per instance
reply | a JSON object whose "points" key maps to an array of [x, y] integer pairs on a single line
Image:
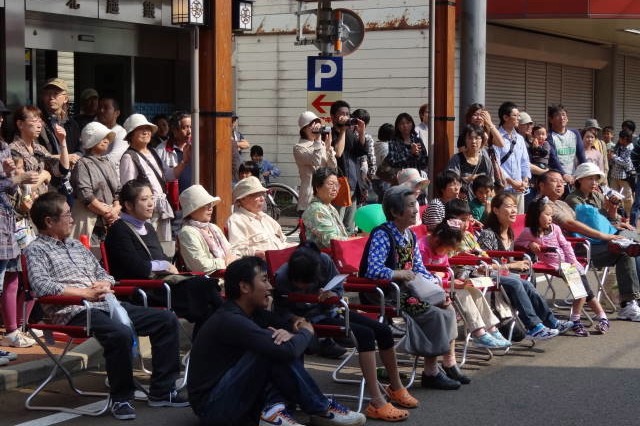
{"points": [[324, 84]]}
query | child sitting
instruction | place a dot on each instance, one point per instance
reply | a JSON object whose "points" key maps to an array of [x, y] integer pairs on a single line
{"points": [[267, 170], [482, 188], [248, 168], [435, 249], [542, 234]]}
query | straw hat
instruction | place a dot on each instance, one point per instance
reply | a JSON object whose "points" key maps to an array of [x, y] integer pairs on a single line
{"points": [[137, 120], [587, 169], [305, 118], [93, 133], [247, 186], [412, 178], [195, 197]]}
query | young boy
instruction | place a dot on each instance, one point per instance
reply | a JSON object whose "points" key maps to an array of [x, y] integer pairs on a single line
{"points": [[267, 169], [482, 187]]}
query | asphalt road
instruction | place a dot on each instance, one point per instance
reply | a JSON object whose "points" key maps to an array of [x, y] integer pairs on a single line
{"points": [[565, 381]]}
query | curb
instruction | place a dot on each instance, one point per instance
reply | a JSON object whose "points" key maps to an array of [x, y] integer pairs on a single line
{"points": [[84, 356]]}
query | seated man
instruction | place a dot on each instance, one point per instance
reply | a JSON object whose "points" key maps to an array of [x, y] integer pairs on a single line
{"points": [[551, 185], [241, 362], [59, 265]]}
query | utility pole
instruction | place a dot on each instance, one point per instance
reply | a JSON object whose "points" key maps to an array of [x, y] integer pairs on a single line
{"points": [[473, 55]]}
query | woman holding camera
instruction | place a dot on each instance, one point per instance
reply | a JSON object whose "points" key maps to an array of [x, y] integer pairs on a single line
{"points": [[407, 150], [312, 151]]}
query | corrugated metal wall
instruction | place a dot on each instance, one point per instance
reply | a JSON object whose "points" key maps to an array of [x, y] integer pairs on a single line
{"points": [[386, 76], [627, 90]]}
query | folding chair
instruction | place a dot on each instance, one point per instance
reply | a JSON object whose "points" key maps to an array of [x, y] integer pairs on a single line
{"points": [[275, 259], [69, 334]]}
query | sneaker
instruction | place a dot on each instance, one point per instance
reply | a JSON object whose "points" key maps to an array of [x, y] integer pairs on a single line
{"points": [[563, 326], [338, 414], [123, 410], [3, 361], [631, 312], [9, 356], [277, 415], [172, 399], [500, 338], [36, 331], [439, 381], [540, 332], [486, 341], [16, 339], [579, 330], [602, 326]]}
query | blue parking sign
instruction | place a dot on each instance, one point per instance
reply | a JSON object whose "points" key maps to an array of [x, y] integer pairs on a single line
{"points": [[324, 73]]}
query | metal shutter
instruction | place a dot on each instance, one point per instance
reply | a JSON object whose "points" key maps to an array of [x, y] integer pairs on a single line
{"points": [[505, 81], [536, 96], [631, 94], [577, 94]]}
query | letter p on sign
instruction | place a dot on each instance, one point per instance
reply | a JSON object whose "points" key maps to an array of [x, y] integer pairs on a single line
{"points": [[324, 73]]}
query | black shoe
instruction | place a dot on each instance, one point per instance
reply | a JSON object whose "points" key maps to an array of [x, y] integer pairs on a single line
{"points": [[456, 374], [327, 348], [171, 399], [123, 410], [439, 381]]}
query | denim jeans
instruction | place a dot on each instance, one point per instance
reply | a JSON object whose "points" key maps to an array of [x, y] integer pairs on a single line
{"points": [[532, 308], [634, 215], [256, 381], [627, 269]]}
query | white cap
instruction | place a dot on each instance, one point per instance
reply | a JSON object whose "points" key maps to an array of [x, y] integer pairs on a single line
{"points": [[306, 118], [93, 133], [137, 120]]}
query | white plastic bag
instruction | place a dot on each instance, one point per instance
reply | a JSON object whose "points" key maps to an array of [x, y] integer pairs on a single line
{"points": [[118, 313]]}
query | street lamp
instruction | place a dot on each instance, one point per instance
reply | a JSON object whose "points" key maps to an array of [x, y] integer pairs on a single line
{"points": [[242, 15], [191, 13]]}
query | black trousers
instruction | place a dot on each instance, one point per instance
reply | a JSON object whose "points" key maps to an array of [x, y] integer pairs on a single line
{"points": [[116, 338]]}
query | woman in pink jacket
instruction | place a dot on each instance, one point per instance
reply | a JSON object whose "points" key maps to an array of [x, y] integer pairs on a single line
{"points": [[542, 237]]}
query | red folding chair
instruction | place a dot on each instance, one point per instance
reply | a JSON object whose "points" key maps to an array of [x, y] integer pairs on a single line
{"points": [[69, 334]]}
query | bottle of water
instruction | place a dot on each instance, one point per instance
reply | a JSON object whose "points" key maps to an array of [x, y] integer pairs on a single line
{"points": [[504, 268]]}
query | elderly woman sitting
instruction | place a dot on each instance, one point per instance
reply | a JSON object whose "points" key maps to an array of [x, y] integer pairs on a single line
{"points": [[251, 231], [392, 253], [321, 220], [203, 246]]}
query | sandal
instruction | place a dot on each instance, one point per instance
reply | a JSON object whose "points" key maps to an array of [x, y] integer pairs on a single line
{"points": [[402, 397], [387, 413]]}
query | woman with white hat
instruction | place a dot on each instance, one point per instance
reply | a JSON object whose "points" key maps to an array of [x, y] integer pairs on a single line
{"points": [[251, 230], [140, 162], [203, 246], [96, 184], [312, 151]]}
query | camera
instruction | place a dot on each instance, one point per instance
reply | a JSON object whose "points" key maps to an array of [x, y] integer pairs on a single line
{"points": [[325, 130], [351, 122]]}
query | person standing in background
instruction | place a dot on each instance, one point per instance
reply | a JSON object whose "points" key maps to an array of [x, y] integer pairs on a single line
{"points": [[108, 113], [238, 143], [423, 127], [88, 107]]}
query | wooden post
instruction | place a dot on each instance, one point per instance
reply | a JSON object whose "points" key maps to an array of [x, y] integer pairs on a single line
{"points": [[216, 89], [444, 108]]}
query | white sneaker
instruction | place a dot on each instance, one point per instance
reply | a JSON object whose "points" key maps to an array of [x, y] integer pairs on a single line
{"points": [[36, 331], [338, 414], [16, 339], [631, 312], [277, 415]]}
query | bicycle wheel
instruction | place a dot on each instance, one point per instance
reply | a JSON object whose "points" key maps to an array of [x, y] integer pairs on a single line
{"points": [[282, 205]]}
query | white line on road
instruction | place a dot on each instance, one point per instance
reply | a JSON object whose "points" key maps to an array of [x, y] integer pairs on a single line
{"points": [[62, 417]]}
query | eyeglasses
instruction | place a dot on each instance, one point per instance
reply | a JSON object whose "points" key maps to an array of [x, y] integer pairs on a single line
{"points": [[65, 215], [335, 185]]}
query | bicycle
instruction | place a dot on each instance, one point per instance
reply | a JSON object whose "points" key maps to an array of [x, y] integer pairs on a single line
{"points": [[282, 205]]}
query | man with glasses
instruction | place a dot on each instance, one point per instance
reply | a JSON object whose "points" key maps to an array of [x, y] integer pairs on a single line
{"points": [[514, 158], [552, 184], [54, 98], [59, 265]]}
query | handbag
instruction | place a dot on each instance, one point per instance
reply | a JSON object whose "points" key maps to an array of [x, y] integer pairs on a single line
{"points": [[343, 199]]}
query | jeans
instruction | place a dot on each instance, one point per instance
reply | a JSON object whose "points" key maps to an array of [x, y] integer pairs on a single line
{"points": [[635, 209], [256, 381], [116, 340], [626, 270], [532, 308]]}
